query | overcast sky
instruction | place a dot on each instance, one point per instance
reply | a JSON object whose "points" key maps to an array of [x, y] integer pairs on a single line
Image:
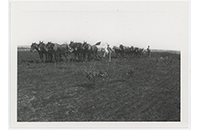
{"points": [[162, 25]]}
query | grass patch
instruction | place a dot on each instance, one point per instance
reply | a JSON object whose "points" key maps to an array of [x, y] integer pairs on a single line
{"points": [[61, 91]]}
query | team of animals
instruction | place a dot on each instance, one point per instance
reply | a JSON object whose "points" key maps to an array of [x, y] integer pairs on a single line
{"points": [[84, 51]]}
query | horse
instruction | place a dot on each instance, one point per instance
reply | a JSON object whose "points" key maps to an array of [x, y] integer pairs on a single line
{"points": [[105, 48], [76, 49], [125, 50], [34, 46], [43, 49], [54, 50], [40, 48], [86, 51], [138, 52], [65, 50], [118, 51], [50, 51], [90, 51], [94, 52], [57, 52]]}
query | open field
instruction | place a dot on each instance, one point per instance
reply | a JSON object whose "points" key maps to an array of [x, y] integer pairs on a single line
{"points": [[145, 89]]}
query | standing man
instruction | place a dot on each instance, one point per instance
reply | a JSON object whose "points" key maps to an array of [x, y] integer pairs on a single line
{"points": [[148, 51], [109, 52]]}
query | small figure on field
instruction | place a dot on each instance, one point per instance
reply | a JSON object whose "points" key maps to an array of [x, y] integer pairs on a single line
{"points": [[109, 52], [148, 51]]}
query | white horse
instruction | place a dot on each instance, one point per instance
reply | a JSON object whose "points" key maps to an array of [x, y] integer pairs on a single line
{"points": [[105, 48]]}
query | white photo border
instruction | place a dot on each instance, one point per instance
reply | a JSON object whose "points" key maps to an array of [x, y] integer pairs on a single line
{"points": [[185, 89]]}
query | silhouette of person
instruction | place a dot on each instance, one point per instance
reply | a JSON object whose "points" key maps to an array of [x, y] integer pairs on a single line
{"points": [[109, 52], [148, 51]]}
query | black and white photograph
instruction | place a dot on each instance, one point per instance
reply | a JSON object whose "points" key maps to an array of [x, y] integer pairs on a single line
{"points": [[120, 64]]}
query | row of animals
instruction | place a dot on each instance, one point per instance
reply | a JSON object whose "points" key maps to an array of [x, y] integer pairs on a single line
{"points": [[83, 51]]}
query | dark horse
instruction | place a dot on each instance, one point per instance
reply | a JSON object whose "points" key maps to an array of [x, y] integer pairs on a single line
{"points": [[94, 52], [138, 52], [54, 50], [40, 48], [65, 50], [86, 51], [118, 51], [76, 49], [128, 51]]}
